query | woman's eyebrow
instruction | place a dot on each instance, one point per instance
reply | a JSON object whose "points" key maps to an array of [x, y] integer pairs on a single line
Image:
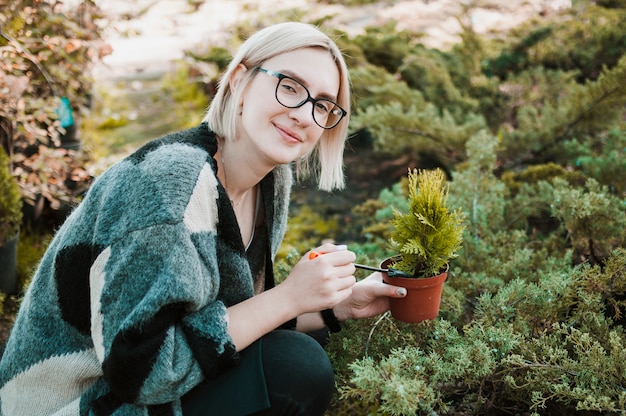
{"points": [[295, 76]]}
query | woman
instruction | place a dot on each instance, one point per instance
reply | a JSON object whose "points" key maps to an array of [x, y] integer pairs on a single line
{"points": [[157, 296]]}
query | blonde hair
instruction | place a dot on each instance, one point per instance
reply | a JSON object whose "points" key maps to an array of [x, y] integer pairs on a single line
{"points": [[326, 159]]}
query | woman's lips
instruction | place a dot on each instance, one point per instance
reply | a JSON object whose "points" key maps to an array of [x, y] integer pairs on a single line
{"points": [[288, 134]]}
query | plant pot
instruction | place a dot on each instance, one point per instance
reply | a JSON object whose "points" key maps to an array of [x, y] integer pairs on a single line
{"points": [[8, 271], [423, 296]]}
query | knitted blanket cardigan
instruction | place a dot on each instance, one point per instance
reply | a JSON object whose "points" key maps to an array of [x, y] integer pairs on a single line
{"points": [[127, 310]]}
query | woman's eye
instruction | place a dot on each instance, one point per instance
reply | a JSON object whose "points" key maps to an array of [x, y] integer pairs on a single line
{"points": [[322, 107], [288, 88], [291, 87]]}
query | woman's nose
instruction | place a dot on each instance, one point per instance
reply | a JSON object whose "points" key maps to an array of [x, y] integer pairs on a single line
{"points": [[303, 114]]}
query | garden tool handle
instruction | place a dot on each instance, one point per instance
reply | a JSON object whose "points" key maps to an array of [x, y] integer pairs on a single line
{"points": [[315, 254], [374, 269]]}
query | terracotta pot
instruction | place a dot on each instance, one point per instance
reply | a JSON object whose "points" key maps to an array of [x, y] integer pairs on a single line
{"points": [[422, 298]]}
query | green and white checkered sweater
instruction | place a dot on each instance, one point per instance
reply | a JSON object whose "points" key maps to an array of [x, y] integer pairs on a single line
{"points": [[127, 310]]}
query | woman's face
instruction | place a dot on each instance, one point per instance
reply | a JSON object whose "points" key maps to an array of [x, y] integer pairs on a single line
{"points": [[278, 134]]}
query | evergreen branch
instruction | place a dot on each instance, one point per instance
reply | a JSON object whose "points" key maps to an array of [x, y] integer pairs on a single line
{"points": [[532, 364], [569, 127], [419, 133], [440, 140], [588, 110]]}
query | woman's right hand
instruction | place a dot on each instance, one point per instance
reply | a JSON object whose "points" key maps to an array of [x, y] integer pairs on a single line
{"points": [[313, 285], [321, 282]]}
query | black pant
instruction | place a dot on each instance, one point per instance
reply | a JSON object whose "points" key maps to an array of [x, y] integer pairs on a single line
{"points": [[283, 373]]}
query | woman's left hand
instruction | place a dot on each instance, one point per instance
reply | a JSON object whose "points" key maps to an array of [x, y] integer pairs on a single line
{"points": [[370, 297]]}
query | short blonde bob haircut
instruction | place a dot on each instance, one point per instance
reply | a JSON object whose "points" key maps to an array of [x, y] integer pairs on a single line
{"points": [[223, 112]]}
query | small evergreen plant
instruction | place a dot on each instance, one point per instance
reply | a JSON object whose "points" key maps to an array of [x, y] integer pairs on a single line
{"points": [[429, 234], [10, 201]]}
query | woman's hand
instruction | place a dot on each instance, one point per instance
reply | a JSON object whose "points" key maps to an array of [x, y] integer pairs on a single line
{"points": [[313, 285], [321, 282], [369, 297]]}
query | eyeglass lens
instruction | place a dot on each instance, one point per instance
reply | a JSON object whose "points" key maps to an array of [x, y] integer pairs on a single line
{"points": [[293, 94]]}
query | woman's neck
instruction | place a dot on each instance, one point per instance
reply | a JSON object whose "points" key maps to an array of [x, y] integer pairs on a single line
{"points": [[236, 172]]}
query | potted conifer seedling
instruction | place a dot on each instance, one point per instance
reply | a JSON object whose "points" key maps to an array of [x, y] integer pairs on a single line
{"points": [[10, 221], [426, 237]]}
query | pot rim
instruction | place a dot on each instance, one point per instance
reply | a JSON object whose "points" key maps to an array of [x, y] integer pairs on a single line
{"points": [[385, 262]]}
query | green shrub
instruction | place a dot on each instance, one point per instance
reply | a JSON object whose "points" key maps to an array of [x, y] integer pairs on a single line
{"points": [[602, 158], [385, 46], [30, 249], [537, 347], [518, 310], [307, 229], [47, 51], [10, 201]]}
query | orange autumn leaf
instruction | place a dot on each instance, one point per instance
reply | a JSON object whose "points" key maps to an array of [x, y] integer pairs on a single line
{"points": [[73, 45]]}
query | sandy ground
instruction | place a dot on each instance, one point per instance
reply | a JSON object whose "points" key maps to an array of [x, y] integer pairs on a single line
{"points": [[169, 27]]}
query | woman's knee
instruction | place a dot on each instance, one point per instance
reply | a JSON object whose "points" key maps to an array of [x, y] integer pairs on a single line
{"points": [[297, 371]]}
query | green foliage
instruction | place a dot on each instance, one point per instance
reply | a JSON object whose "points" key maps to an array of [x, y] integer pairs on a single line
{"points": [[548, 89], [382, 210], [47, 51], [574, 45], [188, 100], [543, 347], [373, 86], [385, 46], [517, 316], [604, 159], [544, 172], [564, 43], [594, 219], [573, 110], [10, 201], [420, 127], [219, 56], [432, 73], [603, 288], [515, 58], [402, 380], [480, 194], [307, 229], [429, 235], [400, 118], [30, 249], [125, 116]]}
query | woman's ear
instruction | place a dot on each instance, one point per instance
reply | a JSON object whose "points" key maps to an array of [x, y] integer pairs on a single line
{"points": [[236, 77]]}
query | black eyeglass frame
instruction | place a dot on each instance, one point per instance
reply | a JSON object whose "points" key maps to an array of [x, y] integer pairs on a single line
{"points": [[309, 98]]}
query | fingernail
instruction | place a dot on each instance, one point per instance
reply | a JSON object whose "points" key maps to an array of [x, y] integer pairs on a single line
{"points": [[341, 247], [401, 291]]}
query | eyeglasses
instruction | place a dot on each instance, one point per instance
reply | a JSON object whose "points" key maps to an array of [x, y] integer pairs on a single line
{"points": [[291, 93]]}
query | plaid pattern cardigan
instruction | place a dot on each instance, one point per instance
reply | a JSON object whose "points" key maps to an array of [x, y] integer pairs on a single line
{"points": [[127, 310]]}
